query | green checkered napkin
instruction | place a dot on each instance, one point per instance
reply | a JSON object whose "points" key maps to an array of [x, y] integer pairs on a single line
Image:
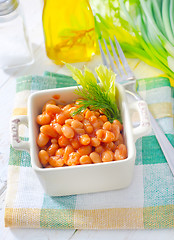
{"points": [[148, 203]]}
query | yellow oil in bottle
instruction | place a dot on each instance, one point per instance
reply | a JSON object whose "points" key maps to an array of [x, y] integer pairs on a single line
{"points": [[69, 30]]}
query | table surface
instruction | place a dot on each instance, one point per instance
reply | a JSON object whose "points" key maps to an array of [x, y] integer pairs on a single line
{"points": [[33, 17]]}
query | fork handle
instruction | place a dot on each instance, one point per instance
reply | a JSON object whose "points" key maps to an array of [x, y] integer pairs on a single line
{"points": [[166, 146]]}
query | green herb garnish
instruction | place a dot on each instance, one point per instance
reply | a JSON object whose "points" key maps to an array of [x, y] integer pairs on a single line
{"points": [[94, 96]]}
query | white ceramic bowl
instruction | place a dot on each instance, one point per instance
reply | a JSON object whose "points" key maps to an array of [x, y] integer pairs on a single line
{"points": [[82, 178]]}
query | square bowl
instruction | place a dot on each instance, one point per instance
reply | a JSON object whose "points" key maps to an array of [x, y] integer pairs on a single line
{"points": [[82, 178]]}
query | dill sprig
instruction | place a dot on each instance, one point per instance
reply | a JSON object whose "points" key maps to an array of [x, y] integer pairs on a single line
{"points": [[94, 96]]}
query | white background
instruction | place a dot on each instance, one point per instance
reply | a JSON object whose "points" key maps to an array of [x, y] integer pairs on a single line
{"points": [[33, 13]]}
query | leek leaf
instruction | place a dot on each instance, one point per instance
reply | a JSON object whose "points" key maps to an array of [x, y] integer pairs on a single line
{"points": [[166, 20], [144, 28], [172, 15], [156, 9]]}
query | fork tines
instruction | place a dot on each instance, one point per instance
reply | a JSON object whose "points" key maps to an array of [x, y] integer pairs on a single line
{"points": [[124, 72]]}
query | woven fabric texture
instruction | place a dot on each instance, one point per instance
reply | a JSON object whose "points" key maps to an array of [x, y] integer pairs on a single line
{"points": [[148, 203]]}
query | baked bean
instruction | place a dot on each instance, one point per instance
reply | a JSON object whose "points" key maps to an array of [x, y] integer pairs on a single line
{"points": [[105, 135], [78, 117], [120, 152], [92, 119], [63, 141], [111, 146], [58, 128], [42, 140], [101, 122], [75, 143], [69, 149], [86, 122], [43, 157], [116, 131], [107, 125], [60, 118], [67, 131], [97, 125], [79, 131], [109, 137], [72, 110], [100, 134], [52, 109], [87, 126], [120, 139], [73, 159], [84, 150], [76, 124], [88, 114], [116, 122], [85, 159], [49, 131], [88, 129], [97, 114], [55, 161], [68, 121], [103, 118], [95, 142], [51, 150], [99, 149], [95, 157], [107, 156], [60, 152], [51, 101], [85, 139], [67, 107], [43, 119]]}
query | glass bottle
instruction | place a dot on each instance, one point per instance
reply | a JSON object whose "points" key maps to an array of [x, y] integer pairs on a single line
{"points": [[69, 30], [15, 49]]}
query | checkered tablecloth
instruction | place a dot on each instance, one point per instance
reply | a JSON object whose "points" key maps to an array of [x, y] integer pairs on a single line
{"points": [[148, 203]]}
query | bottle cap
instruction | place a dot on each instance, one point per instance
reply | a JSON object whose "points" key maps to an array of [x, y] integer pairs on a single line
{"points": [[7, 6]]}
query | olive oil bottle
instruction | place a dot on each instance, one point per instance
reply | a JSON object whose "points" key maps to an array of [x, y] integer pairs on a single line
{"points": [[69, 30]]}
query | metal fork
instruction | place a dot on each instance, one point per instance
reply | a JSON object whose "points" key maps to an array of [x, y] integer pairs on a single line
{"points": [[127, 77]]}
